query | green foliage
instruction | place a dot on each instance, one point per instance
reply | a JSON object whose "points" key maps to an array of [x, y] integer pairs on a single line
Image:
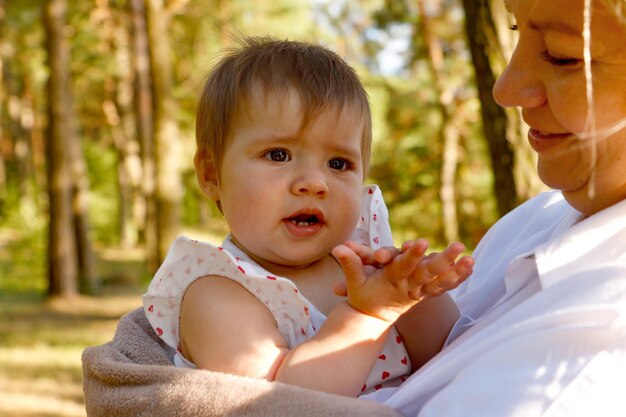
{"points": [[407, 155], [23, 259], [103, 193]]}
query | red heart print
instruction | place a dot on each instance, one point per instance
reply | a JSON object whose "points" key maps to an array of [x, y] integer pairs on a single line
{"points": [[159, 331], [382, 357], [385, 375], [151, 308], [404, 360], [398, 339]]}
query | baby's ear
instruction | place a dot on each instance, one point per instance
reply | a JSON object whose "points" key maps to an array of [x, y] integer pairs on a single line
{"points": [[206, 174]]}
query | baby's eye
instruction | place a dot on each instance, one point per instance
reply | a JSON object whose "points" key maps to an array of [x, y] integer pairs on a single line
{"points": [[339, 164], [561, 62], [277, 155]]}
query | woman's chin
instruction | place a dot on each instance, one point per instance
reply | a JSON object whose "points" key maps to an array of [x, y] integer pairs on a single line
{"points": [[561, 178]]}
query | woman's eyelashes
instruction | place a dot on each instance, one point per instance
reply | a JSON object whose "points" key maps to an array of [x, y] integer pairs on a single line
{"points": [[561, 61], [551, 59]]}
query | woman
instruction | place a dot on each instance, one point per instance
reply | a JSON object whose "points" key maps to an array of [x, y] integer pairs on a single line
{"points": [[543, 326]]}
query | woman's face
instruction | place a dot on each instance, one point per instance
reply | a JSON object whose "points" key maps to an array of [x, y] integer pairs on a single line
{"points": [[546, 78]]}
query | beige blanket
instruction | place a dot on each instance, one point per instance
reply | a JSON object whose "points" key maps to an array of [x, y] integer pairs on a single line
{"points": [[133, 376]]}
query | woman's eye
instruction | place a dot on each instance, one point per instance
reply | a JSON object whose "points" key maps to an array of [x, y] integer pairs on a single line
{"points": [[560, 62], [339, 164], [277, 155]]}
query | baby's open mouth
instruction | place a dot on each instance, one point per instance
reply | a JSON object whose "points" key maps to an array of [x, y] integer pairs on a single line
{"points": [[304, 220]]}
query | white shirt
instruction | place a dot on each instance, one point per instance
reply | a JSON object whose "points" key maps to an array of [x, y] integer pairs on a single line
{"points": [[543, 322]]}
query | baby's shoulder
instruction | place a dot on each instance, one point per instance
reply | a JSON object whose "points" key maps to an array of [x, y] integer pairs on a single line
{"points": [[217, 296]]}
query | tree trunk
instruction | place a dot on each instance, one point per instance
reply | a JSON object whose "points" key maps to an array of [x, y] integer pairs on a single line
{"points": [[482, 38], [3, 174], [527, 181], [448, 134], [144, 116], [63, 264], [168, 152], [118, 111], [89, 282]]}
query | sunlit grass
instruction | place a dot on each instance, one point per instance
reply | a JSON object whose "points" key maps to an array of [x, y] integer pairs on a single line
{"points": [[40, 350], [41, 339], [41, 381]]}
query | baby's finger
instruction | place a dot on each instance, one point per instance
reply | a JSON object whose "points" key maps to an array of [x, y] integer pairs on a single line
{"points": [[387, 254], [405, 264], [350, 263], [451, 278], [461, 270], [441, 262], [365, 253], [340, 289]]}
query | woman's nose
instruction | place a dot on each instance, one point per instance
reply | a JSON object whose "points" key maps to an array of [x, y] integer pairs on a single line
{"points": [[520, 84], [311, 183]]}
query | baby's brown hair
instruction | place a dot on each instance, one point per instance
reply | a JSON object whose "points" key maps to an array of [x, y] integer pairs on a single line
{"points": [[322, 79]]}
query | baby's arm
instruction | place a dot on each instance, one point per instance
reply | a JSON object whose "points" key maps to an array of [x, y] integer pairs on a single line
{"points": [[426, 325], [225, 328]]}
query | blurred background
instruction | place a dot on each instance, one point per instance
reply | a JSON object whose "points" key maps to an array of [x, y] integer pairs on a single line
{"points": [[97, 104]]}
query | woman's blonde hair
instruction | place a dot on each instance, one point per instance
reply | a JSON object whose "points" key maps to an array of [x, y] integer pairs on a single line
{"points": [[619, 6]]}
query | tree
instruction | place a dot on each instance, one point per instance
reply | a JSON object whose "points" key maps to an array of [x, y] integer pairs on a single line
{"points": [[63, 260], [69, 250], [145, 120], [484, 48], [448, 134], [118, 111], [3, 176], [167, 146]]}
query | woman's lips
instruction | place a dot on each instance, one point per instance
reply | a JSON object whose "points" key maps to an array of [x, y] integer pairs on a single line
{"points": [[542, 141]]}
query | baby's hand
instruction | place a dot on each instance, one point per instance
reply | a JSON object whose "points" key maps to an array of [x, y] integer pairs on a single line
{"points": [[387, 282]]}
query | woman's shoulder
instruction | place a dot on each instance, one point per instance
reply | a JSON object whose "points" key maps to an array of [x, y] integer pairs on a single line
{"points": [[538, 215]]}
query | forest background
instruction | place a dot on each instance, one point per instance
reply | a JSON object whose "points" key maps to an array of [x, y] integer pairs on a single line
{"points": [[97, 105]]}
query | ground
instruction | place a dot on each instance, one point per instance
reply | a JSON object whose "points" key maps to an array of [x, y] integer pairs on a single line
{"points": [[41, 339], [40, 367]]}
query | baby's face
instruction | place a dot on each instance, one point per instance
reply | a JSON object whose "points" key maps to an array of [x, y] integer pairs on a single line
{"points": [[290, 195]]}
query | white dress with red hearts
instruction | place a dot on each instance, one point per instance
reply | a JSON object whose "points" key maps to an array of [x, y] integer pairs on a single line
{"points": [[298, 320]]}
